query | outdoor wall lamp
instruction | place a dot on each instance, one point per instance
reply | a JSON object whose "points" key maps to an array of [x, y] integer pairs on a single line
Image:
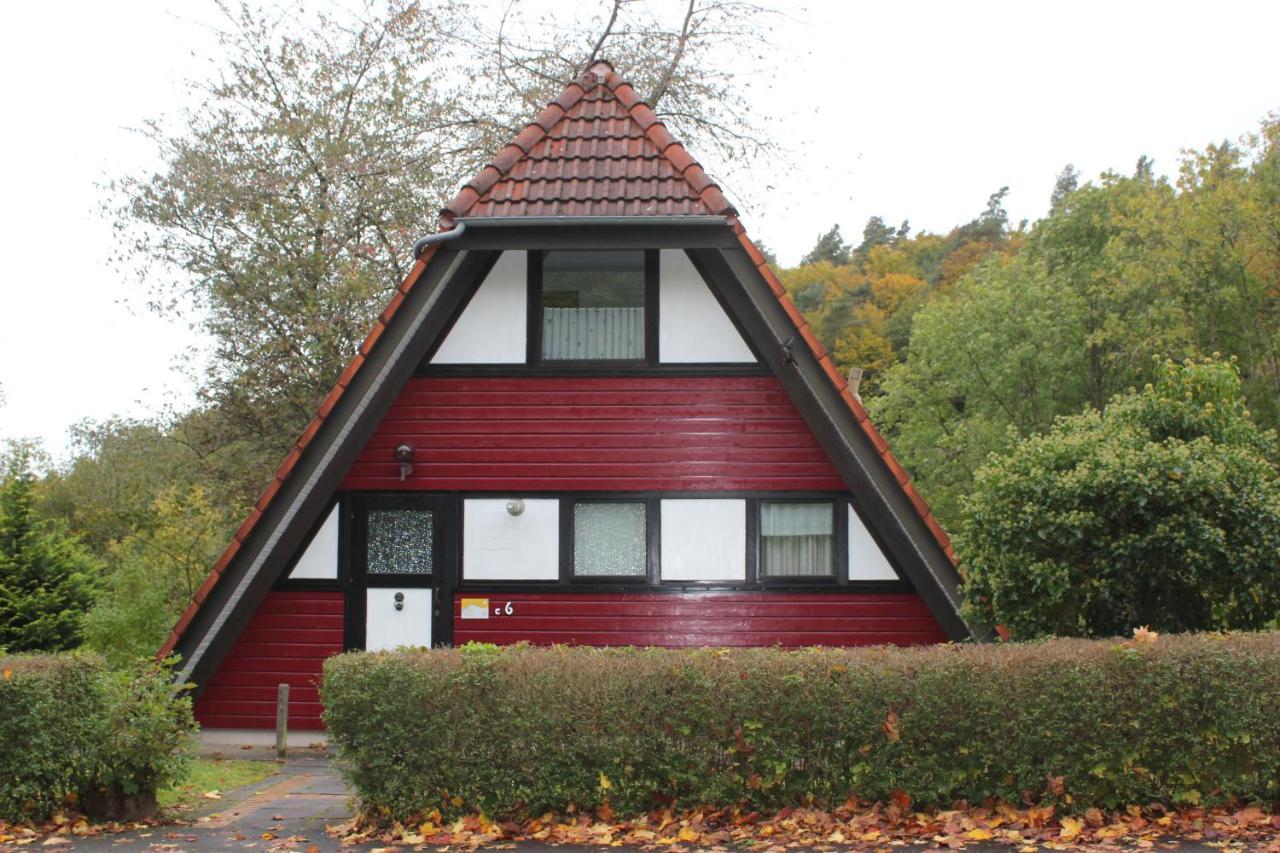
{"points": [[515, 506], [404, 455], [399, 601]]}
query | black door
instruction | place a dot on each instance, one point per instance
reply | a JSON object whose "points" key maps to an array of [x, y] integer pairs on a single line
{"points": [[404, 548]]}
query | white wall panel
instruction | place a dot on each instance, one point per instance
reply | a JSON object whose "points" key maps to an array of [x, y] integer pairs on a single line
{"points": [[499, 546], [388, 628], [493, 326], [704, 539], [692, 327], [320, 560], [866, 561]]}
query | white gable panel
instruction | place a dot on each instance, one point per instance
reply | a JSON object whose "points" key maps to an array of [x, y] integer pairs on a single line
{"points": [[492, 328], [866, 561], [704, 539], [320, 560], [692, 327], [497, 545]]}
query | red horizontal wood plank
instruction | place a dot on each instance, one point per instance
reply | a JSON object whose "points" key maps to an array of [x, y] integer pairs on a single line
{"points": [[669, 470], [742, 596], [604, 484], [387, 439], [676, 639], [589, 383], [712, 624], [296, 680], [261, 708], [313, 651], [554, 426], [653, 606], [267, 693], [697, 454], [596, 433], [327, 621], [591, 409], [287, 641], [710, 619], [706, 396], [323, 636], [225, 721]]}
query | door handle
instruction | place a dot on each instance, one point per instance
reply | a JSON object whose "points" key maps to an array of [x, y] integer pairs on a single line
{"points": [[399, 601]]}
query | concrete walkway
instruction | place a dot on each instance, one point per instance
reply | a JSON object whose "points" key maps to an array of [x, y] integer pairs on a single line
{"points": [[286, 811]]}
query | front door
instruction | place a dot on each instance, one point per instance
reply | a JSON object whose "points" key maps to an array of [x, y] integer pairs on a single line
{"points": [[404, 547]]}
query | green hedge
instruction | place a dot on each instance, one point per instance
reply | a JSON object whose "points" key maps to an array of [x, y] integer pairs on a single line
{"points": [[518, 731], [74, 732]]}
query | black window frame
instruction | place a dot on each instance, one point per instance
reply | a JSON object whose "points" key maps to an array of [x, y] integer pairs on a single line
{"points": [[533, 335], [568, 542], [839, 544], [653, 582]]}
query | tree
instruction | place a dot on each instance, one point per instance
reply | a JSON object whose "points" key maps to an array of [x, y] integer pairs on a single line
{"points": [[46, 576], [1070, 318], [830, 248], [876, 233], [1163, 510], [293, 186], [155, 571], [1068, 181]]}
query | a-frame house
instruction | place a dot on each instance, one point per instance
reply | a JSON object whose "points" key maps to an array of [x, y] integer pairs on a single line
{"points": [[590, 414]]}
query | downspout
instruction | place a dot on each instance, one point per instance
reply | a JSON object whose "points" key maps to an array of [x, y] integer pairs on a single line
{"points": [[453, 233]]}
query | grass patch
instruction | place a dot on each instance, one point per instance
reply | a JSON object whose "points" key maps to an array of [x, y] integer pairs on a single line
{"points": [[212, 775]]}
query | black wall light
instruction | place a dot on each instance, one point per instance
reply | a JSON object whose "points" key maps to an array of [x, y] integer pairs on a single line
{"points": [[404, 455]]}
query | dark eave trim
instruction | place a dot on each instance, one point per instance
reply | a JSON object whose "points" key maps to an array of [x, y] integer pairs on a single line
{"points": [[309, 489], [581, 221], [910, 543], [597, 232]]}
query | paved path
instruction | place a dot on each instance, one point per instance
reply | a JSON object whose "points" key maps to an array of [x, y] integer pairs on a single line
{"points": [[286, 811]]}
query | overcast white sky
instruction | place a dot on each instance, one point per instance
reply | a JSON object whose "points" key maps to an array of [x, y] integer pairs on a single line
{"points": [[912, 110]]}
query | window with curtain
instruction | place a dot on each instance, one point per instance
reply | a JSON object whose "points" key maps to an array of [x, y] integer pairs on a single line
{"points": [[593, 305], [797, 539], [609, 540]]}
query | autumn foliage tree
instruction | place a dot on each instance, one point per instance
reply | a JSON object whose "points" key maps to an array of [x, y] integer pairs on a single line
{"points": [[295, 183], [1163, 510]]}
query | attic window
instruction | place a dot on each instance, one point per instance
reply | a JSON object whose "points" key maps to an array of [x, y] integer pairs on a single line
{"points": [[592, 305]]}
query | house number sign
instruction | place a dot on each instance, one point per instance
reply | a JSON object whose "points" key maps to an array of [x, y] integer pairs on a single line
{"points": [[479, 608]]}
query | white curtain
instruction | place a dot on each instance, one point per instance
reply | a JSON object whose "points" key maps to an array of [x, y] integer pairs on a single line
{"points": [[796, 539], [572, 333]]}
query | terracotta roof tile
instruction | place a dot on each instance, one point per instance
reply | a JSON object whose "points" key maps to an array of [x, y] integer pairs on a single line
{"points": [[918, 501], [270, 491], [938, 533], [597, 150], [248, 524]]}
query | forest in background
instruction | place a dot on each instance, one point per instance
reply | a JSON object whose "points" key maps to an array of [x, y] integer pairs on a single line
{"points": [[972, 340], [290, 195]]}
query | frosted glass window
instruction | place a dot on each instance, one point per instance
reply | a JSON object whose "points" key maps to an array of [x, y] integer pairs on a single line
{"points": [[400, 542], [797, 539], [593, 305], [609, 540]]}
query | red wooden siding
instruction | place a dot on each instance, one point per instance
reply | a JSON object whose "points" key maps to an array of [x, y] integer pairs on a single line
{"points": [[702, 619], [287, 640], [604, 434]]}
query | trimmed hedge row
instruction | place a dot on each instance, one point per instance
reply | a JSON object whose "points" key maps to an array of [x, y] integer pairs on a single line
{"points": [[518, 731], [75, 732]]}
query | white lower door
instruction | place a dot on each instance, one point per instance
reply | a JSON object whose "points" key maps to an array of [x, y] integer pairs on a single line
{"points": [[388, 626]]}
